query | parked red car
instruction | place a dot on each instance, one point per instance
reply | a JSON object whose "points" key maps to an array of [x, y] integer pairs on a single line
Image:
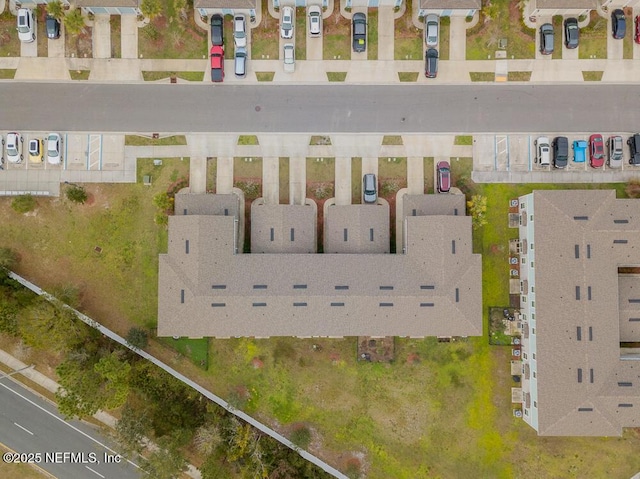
{"points": [[596, 151], [217, 63], [636, 37]]}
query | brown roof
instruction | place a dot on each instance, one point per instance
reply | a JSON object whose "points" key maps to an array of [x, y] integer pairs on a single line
{"points": [[207, 290], [578, 241], [283, 229], [450, 4], [357, 229], [237, 4], [437, 204], [196, 204]]}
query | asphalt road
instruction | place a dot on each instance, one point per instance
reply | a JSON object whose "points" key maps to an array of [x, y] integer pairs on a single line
{"points": [[38, 106], [29, 424]]}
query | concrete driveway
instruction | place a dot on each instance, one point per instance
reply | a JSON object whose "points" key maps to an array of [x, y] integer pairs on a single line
{"points": [[615, 47], [314, 44], [343, 180]]}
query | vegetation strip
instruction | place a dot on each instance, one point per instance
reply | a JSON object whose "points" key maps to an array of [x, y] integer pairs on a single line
{"points": [[208, 394]]}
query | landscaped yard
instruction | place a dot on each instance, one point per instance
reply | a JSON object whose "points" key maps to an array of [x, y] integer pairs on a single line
{"points": [[116, 36], [9, 43], [408, 40], [372, 34], [593, 38], [264, 37], [173, 34], [506, 24], [336, 36], [301, 33]]}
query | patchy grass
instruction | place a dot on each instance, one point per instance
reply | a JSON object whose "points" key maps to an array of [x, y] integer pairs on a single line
{"points": [[247, 168], [593, 38], [138, 140], [482, 76], [443, 47], [463, 140], [40, 13], [265, 76], [557, 37], [336, 76], [174, 34], [7, 73], [392, 140], [592, 75], [408, 40], [9, 43], [392, 168], [248, 140], [195, 349], [356, 180], [79, 74], [212, 169], [81, 45], [320, 140], [264, 37], [506, 23], [372, 34], [189, 76], [627, 46], [322, 171], [336, 36], [301, 33], [519, 76], [283, 173], [116, 36], [429, 175], [408, 76]]}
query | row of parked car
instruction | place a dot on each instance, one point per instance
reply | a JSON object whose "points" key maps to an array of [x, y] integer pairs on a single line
{"points": [[13, 149], [27, 26], [572, 31], [558, 151]]}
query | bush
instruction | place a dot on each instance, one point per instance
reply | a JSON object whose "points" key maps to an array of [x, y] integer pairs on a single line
{"points": [[301, 436], [55, 9], [76, 194], [74, 22], [24, 203], [137, 337]]}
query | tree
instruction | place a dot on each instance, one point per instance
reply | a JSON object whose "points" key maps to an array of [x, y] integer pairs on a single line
{"points": [[8, 258], [50, 325], [55, 9], [162, 201], [151, 8], [115, 375], [207, 438], [478, 207], [132, 428], [137, 337], [9, 316], [76, 194], [67, 294], [24, 203], [74, 22], [166, 462]]}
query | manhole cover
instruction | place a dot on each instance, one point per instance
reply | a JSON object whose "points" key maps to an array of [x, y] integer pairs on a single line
{"points": [[258, 108]]}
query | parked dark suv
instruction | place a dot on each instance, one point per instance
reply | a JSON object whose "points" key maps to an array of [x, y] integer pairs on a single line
{"points": [[634, 149], [217, 30], [571, 33], [546, 39], [618, 24], [560, 147]]}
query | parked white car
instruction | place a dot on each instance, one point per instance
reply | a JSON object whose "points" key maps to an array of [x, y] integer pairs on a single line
{"points": [[240, 31], [26, 25], [431, 30], [54, 149], [286, 23], [289, 58], [14, 148], [543, 151], [315, 21]]}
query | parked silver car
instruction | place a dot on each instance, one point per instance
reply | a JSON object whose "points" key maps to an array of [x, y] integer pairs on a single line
{"points": [[240, 62], [240, 31], [614, 145], [286, 23], [289, 58], [315, 21], [431, 30]]}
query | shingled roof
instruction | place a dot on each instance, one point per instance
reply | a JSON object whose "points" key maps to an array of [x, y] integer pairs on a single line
{"points": [[587, 383], [207, 290]]}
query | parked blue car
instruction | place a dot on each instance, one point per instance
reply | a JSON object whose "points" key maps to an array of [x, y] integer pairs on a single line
{"points": [[579, 151]]}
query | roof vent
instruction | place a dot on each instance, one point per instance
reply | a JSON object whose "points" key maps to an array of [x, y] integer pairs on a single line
{"points": [[386, 288], [426, 305], [585, 409], [256, 305], [620, 222], [625, 384], [299, 304], [259, 286], [337, 304], [382, 305], [427, 286], [619, 241], [581, 218], [342, 287]]}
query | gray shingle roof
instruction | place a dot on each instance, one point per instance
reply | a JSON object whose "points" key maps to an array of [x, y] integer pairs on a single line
{"points": [[209, 291], [356, 228], [283, 229], [566, 4], [106, 3], [238, 4], [581, 238]]}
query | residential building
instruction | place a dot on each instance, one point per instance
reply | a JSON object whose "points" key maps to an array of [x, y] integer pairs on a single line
{"points": [[206, 8], [207, 287], [580, 306], [450, 8], [549, 8], [111, 7]]}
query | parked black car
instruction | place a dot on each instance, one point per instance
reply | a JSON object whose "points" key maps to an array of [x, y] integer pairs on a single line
{"points": [[546, 39], [53, 27], [571, 33], [217, 30], [431, 63], [618, 24], [560, 147], [359, 29], [634, 149]]}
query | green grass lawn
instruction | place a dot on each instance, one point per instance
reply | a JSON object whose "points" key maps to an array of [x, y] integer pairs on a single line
{"points": [[7, 73], [171, 36], [265, 76], [390, 168], [336, 36], [336, 76], [283, 173], [372, 34], [356, 181], [429, 175], [137, 140], [443, 47], [264, 37], [158, 75], [463, 140], [408, 76], [116, 36], [41, 31], [79, 74], [506, 23], [9, 43], [593, 38], [195, 349], [321, 171], [301, 33], [243, 168], [407, 38], [558, 37], [592, 75]]}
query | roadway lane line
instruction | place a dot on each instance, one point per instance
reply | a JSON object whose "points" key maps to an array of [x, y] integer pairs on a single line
{"points": [[95, 472], [23, 428], [65, 422]]}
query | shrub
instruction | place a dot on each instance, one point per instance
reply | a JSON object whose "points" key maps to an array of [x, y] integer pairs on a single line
{"points": [[301, 436], [76, 194], [24, 203], [55, 9], [74, 22], [137, 337]]}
